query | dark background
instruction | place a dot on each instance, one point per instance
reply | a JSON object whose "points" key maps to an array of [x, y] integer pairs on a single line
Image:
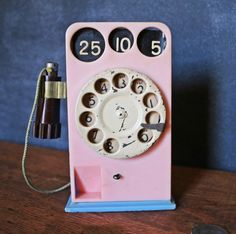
{"points": [[204, 67]]}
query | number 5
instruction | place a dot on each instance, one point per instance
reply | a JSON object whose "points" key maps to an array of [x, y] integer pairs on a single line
{"points": [[96, 49], [156, 45]]}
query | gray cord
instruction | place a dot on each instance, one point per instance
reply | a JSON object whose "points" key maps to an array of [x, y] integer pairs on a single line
{"points": [[27, 134]]}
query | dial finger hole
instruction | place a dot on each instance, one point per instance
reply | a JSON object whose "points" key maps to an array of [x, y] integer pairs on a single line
{"points": [[153, 117], [111, 145], [120, 80], [90, 100], [87, 119], [145, 135], [150, 100], [102, 86], [138, 86], [95, 135]]}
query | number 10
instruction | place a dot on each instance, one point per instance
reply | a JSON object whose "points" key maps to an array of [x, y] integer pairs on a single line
{"points": [[120, 44]]}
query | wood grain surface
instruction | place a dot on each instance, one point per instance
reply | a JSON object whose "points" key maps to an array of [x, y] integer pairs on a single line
{"points": [[202, 196]]}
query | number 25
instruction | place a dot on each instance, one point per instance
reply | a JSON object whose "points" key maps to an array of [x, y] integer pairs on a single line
{"points": [[156, 48], [95, 47]]}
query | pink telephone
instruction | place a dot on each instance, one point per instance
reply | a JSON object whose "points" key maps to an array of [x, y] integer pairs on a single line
{"points": [[119, 116]]}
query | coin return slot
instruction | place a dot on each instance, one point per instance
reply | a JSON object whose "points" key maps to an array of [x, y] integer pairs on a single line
{"points": [[150, 100], [87, 119], [120, 80], [102, 86]]}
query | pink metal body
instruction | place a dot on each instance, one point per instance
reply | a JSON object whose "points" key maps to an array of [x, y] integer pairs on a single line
{"points": [[146, 177]]}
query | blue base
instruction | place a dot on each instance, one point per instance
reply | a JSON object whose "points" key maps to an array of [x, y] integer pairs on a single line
{"points": [[119, 206]]}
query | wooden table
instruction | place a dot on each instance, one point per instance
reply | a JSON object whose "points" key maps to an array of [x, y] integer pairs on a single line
{"points": [[202, 196]]}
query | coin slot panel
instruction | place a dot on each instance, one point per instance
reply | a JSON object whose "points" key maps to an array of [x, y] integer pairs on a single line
{"points": [[87, 44], [151, 42], [121, 40]]}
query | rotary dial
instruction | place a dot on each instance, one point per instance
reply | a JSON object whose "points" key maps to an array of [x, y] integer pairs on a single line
{"points": [[120, 113]]}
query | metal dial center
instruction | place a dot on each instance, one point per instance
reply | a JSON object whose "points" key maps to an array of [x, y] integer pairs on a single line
{"points": [[121, 113]]}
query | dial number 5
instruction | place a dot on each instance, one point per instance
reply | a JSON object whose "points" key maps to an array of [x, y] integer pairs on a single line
{"points": [[156, 48], [95, 48]]}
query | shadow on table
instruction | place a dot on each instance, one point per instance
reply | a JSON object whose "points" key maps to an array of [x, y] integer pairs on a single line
{"points": [[103, 229]]}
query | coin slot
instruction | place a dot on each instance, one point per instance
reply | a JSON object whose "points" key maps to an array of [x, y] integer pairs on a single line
{"points": [[120, 80], [121, 40], [87, 44], [87, 119], [151, 42], [153, 117], [95, 135], [90, 100], [150, 100], [138, 86], [102, 86], [111, 145], [145, 135]]}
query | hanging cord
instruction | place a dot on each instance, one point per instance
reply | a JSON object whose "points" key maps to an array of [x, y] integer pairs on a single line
{"points": [[27, 134]]}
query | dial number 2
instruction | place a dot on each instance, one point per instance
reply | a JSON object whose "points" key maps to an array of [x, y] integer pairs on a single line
{"points": [[138, 86]]}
